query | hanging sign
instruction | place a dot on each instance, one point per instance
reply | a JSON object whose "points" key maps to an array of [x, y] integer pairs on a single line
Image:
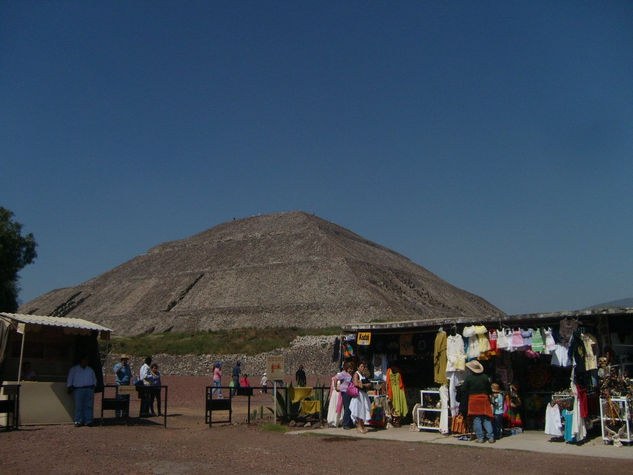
{"points": [[363, 338], [21, 328]]}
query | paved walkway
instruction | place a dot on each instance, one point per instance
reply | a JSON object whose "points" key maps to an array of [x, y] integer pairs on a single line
{"points": [[531, 441]]}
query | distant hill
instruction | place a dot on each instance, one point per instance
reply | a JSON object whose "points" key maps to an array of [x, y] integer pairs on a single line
{"points": [[285, 269], [622, 303]]}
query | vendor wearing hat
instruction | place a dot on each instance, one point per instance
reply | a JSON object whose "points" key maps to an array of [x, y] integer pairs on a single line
{"points": [[123, 375], [477, 388]]}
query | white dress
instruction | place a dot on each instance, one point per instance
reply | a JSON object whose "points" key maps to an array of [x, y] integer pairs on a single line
{"points": [[333, 418], [360, 407]]}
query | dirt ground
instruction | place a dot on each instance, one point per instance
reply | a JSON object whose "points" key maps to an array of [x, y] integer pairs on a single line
{"points": [[187, 445]]}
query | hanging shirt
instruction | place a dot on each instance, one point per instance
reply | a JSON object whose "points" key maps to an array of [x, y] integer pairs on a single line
{"points": [[560, 356], [455, 354], [591, 362], [553, 423]]}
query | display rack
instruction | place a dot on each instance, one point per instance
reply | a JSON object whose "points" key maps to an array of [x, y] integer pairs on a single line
{"points": [[428, 415], [623, 416]]}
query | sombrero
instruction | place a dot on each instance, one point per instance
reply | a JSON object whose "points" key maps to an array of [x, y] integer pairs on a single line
{"points": [[475, 366]]}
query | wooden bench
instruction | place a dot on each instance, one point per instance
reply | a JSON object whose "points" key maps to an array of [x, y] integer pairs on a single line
{"points": [[216, 405]]}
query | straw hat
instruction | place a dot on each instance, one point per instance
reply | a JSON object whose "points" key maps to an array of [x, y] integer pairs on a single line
{"points": [[475, 366], [125, 357]]}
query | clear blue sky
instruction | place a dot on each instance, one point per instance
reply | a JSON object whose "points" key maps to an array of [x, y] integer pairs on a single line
{"points": [[490, 142]]}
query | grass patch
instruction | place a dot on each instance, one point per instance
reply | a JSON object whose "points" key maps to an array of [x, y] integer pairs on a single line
{"points": [[269, 426], [249, 341]]}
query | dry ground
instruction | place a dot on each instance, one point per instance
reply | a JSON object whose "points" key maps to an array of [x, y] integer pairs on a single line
{"points": [[187, 445]]}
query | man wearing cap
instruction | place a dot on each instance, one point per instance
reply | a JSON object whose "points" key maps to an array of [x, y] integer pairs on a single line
{"points": [[476, 387], [123, 376]]}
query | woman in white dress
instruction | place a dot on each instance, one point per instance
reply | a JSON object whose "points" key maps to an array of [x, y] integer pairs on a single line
{"points": [[360, 405]]}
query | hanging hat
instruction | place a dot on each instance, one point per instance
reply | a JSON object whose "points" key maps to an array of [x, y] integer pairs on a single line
{"points": [[475, 366]]}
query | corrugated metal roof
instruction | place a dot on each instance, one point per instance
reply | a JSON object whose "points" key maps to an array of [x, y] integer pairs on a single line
{"points": [[54, 321], [463, 320]]}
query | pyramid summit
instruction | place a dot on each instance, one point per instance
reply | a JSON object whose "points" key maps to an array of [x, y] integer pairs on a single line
{"points": [[284, 269]]}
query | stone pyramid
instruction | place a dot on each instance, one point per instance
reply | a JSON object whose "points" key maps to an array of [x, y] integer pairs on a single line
{"points": [[285, 269]]}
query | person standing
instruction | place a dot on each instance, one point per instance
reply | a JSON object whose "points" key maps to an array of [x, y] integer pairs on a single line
{"points": [[235, 376], [345, 380], [360, 406], [217, 379], [497, 404], [123, 377], [300, 377], [155, 388], [145, 380], [476, 387], [81, 384], [264, 384]]}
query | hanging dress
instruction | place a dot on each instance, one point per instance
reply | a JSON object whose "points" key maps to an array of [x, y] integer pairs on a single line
{"points": [[537, 341], [482, 340], [439, 358], [396, 393], [334, 415], [517, 339], [550, 343], [455, 368], [473, 344], [527, 338], [502, 340], [492, 337]]}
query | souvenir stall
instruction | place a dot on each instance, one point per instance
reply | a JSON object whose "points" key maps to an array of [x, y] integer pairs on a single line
{"points": [[394, 363], [537, 361]]}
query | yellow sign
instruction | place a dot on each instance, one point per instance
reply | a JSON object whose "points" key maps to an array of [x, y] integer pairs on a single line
{"points": [[363, 338], [275, 367]]}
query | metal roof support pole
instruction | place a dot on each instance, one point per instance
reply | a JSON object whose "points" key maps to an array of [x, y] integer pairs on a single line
{"points": [[21, 329]]}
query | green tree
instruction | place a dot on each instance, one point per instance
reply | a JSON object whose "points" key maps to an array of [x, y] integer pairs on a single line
{"points": [[16, 251]]}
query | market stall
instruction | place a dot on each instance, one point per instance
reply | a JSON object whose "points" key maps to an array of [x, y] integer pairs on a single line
{"points": [[534, 359], [36, 352]]}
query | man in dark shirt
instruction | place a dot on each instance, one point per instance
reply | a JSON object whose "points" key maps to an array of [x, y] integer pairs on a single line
{"points": [[300, 376], [477, 389]]}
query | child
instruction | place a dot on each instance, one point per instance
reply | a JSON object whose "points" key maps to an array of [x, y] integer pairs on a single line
{"points": [[497, 410]]}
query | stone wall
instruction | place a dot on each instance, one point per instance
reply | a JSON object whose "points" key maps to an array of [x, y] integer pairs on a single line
{"points": [[313, 352]]}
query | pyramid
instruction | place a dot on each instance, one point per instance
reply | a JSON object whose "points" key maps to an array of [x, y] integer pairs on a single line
{"points": [[286, 269]]}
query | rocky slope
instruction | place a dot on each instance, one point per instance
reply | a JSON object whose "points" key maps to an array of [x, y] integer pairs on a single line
{"points": [[286, 269]]}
